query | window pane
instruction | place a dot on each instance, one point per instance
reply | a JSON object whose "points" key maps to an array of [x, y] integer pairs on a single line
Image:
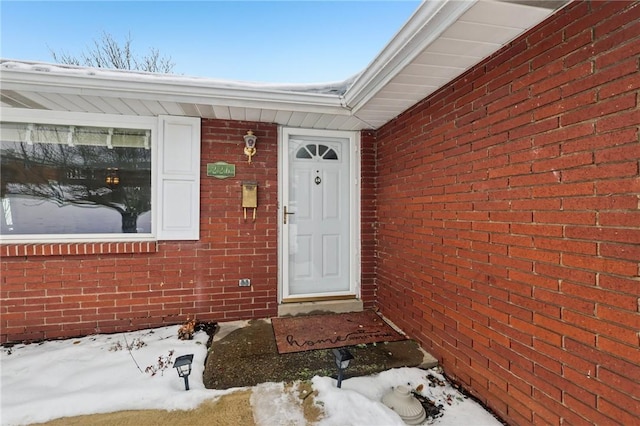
{"points": [[312, 149], [303, 153], [331, 155], [74, 180]]}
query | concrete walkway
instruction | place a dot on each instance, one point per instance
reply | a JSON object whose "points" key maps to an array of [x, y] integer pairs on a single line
{"points": [[248, 356]]}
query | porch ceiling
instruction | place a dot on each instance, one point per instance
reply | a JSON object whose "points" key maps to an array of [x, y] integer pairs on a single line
{"points": [[440, 41]]}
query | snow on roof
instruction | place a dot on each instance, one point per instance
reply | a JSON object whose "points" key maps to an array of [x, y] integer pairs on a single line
{"points": [[329, 88]]}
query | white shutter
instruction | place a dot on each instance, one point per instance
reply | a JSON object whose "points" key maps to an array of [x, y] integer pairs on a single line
{"points": [[179, 178]]}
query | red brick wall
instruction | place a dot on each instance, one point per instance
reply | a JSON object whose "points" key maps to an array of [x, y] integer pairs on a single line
{"points": [[509, 228], [63, 290], [368, 218]]}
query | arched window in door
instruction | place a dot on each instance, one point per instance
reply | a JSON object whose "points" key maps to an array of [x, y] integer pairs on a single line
{"points": [[316, 152]]}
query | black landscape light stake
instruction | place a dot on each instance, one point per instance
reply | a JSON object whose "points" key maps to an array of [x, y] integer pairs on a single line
{"points": [[343, 358], [183, 365]]}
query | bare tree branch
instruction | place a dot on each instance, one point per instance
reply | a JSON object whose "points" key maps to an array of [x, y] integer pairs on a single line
{"points": [[107, 52]]}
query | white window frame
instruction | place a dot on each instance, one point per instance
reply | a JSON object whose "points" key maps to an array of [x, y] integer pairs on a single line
{"points": [[157, 127]]}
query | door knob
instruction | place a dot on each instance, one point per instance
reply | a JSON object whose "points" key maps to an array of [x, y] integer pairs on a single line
{"points": [[286, 213]]}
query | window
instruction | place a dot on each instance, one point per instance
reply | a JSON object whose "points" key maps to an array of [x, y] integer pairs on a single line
{"points": [[74, 179], [316, 151]]}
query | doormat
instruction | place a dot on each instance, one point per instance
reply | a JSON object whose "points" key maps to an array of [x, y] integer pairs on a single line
{"points": [[305, 333]]}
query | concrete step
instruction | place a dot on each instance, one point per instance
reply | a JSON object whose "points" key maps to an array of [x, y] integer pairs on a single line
{"points": [[248, 355]]}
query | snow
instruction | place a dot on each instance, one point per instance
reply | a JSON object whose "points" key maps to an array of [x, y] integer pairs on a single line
{"points": [[98, 374], [273, 406], [326, 88]]}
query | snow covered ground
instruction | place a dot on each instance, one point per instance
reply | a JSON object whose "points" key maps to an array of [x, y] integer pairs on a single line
{"points": [[98, 374]]}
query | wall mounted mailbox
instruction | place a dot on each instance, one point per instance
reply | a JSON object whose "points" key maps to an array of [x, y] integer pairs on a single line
{"points": [[250, 197]]}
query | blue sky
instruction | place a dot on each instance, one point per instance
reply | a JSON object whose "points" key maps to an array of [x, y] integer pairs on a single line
{"points": [[270, 41]]}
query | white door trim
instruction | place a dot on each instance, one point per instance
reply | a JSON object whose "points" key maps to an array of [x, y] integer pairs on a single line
{"points": [[284, 134]]}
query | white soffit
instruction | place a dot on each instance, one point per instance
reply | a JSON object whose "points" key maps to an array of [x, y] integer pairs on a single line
{"points": [[449, 38], [440, 41]]}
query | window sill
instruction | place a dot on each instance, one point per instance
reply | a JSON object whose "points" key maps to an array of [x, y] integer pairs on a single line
{"points": [[73, 249]]}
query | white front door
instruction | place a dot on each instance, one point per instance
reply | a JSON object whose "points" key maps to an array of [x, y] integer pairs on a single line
{"points": [[317, 217]]}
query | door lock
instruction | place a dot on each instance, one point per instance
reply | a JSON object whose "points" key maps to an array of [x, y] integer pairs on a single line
{"points": [[286, 213]]}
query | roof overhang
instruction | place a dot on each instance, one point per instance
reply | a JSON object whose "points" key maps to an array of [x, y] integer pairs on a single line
{"points": [[440, 41]]}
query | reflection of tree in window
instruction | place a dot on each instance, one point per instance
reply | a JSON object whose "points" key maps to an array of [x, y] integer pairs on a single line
{"points": [[316, 151], [68, 166]]}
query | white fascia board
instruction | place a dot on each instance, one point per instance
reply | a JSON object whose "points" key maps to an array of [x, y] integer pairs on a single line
{"points": [[189, 90], [427, 23], [43, 116]]}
